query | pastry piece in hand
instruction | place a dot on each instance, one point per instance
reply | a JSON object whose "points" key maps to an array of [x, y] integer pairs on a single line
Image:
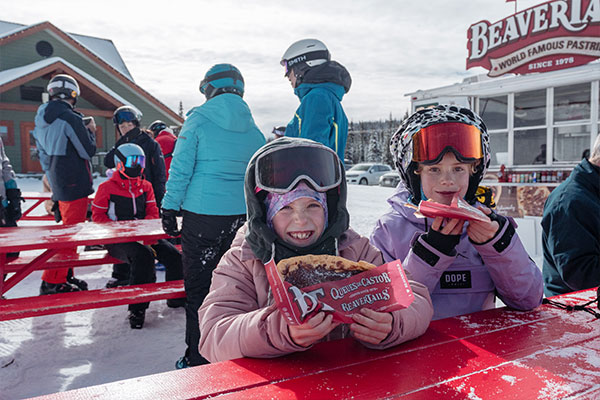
{"points": [[303, 271]]}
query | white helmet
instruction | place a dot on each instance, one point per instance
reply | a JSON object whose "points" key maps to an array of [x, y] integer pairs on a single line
{"points": [[305, 52]]}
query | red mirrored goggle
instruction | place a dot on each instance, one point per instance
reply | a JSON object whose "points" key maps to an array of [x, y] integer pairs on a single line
{"points": [[433, 140]]}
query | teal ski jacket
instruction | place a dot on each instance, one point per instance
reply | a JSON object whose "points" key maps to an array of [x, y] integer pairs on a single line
{"points": [[214, 146]]}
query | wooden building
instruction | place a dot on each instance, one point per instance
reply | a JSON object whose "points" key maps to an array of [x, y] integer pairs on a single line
{"points": [[31, 54]]}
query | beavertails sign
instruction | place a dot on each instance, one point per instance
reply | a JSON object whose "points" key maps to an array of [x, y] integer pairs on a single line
{"points": [[553, 35]]}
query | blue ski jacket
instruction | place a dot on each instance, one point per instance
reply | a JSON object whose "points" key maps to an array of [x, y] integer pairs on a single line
{"points": [[320, 116], [214, 146], [65, 148]]}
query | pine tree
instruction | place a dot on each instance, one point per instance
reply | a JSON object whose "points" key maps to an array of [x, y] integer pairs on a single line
{"points": [[180, 108], [374, 152]]}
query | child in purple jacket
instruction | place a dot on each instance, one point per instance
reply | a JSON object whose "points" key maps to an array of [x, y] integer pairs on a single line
{"points": [[440, 152]]}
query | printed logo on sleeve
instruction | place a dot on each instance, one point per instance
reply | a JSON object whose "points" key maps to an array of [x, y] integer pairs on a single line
{"points": [[456, 280]]}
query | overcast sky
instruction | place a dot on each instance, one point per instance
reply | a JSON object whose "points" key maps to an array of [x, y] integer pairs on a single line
{"points": [[389, 47]]}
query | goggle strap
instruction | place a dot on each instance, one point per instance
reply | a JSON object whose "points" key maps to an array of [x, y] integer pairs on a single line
{"points": [[315, 55], [236, 76]]}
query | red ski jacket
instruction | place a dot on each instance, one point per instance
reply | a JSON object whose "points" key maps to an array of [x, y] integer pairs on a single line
{"points": [[166, 140], [122, 199]]}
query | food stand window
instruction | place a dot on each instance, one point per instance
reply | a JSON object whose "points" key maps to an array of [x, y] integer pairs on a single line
{"points": [[570, 142], [572, 103], [530, 108], [530, 116], [530, 146], [494, 111]]}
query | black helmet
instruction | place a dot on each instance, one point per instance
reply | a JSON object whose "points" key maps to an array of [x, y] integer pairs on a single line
{"points": [[127, 114], [64, 87], [157, 126]]}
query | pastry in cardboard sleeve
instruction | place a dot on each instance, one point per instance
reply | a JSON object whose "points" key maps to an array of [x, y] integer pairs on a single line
{"points": [[308, 270]]}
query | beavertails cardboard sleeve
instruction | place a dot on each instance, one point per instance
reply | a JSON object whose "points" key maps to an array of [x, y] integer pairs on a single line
{"points": [[383, 289]]}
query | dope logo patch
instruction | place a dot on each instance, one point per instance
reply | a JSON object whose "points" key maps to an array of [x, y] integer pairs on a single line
{"points": [[456, 280]]}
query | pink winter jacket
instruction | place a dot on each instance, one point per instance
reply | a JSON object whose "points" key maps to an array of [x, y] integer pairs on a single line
{"points": [[239, 319]]}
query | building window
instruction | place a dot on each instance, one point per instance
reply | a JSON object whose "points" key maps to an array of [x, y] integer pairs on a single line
{"points": [[530, 108], [7, 133], [570, 142], [44, 48], [31, 93], [494, 111], [530, 146], [499, 147], [572, 102]]}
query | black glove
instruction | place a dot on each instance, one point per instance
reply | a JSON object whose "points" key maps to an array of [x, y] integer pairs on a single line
{"points": [[169, 222], [444, 243], [56, 211], [14, 198]]}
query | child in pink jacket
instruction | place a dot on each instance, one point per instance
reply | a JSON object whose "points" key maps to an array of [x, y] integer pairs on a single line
{"points": [[296, 203]]}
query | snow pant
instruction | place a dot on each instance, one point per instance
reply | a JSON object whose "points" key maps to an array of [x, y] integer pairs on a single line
{"points": [[72, 212], [204, 240], [141, 261]]}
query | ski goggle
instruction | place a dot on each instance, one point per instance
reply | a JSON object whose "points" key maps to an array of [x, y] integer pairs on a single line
{"points": [[131, 160], [124, 116], [279, 170], [430, 142], [284, 63]]}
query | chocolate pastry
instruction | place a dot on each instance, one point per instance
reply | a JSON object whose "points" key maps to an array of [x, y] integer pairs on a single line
{"points": [[311, 269]]}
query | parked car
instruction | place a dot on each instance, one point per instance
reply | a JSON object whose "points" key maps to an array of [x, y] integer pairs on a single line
{"points": [[390, 179], [348, 164], [366, 173]]}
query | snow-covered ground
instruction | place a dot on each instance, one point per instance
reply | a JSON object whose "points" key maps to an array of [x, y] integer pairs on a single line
{"points": [[60, 352]]}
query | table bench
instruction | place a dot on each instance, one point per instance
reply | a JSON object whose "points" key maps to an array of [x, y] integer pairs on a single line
{"points": [[547, 353], [25, 307], [53, 240]]}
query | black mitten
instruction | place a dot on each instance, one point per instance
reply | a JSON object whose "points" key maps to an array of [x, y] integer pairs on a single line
{"points": [[169, 222], [14, 198]]}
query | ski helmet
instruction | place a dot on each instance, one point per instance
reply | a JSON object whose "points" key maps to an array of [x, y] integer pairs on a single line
{"points": [[64, 87], [157, 126], [464, 133], [222, 78], [304, 54], [130, 160], [127, 114]]}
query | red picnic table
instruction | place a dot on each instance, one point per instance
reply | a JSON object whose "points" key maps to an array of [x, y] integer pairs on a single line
{"points": [[53, 240], [547, 353]]}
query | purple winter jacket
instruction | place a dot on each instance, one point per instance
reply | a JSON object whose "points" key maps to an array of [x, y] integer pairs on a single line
{"points": [[468, 281]]}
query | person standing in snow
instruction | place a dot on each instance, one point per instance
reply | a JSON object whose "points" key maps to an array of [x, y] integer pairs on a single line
{"points": [[320, 84], [166, 139], [65, 148], [10, 194], [206, 183]]}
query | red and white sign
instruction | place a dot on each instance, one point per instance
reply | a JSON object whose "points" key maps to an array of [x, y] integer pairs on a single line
{"points": [[383, 289], [553, 35]]}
